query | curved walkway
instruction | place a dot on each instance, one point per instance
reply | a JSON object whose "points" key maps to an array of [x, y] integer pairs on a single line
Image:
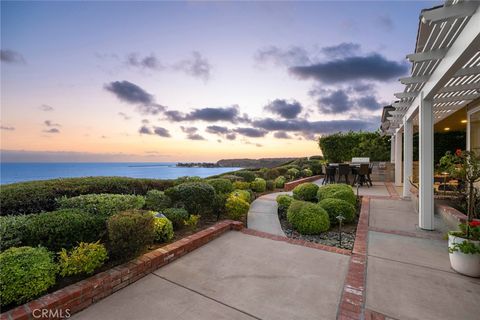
{"points": [[263, 216]]}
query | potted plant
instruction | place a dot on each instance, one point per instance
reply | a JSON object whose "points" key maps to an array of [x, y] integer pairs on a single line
{"points": [[464, 245]]}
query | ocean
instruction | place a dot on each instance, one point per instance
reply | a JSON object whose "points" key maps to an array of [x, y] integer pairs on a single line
{"points": [[17, 172]]}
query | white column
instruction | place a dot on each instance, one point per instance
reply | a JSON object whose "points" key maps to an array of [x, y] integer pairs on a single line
{"points": [[407, 155], [398, 159], [392, 148], [425, 196]]}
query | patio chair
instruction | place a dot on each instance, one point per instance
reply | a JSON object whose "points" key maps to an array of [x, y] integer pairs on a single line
{"points": [[369, 179], [362, 175], [343, 171], [329, 175]]}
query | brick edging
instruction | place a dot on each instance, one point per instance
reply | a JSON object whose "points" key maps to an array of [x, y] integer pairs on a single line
{"points": [[352, 302], [289, 186], [297, 242], [80, 295], [392, 191]]}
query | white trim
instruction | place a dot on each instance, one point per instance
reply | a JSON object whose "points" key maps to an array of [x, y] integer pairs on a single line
{"points": [[407, 155], [469, 115], [398, 159]]}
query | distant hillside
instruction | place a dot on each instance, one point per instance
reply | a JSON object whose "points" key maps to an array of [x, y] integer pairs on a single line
{"points": [[254, 163]]}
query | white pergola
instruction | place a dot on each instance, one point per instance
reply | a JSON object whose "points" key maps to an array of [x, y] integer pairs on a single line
{"points": [[445, 76]]}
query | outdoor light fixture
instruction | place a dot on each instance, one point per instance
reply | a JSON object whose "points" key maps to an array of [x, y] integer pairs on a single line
{"points": [[447, 129], [463, 121]]}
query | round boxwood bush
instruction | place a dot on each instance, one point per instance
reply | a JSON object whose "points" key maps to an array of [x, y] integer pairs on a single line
{"points": [[294, 208], [247, 176], [259, 185], [156, 200], [280, 181], [242, 194], [103, 204], [241, 185], [306, 191], [196, 197], [307, 172], [338, 191], [284, 201], [311, 219], [221, 185], [292, 173], [236, 207], [176, 216], [129, 233], [163, 229], [25, 273], [11, 231], [336, 207], [85, 258], [270, 185]]}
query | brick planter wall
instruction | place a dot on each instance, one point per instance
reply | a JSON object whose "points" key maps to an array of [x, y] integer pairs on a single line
{"points": [[289, 186], [69, 300]]}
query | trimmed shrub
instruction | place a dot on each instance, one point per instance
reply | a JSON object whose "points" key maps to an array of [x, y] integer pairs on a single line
{"points": [[156, 200], [221, 185], [129, 233], [186, 179], [336, 207], [292, 173], [37, 196], [311, 219], [272, 174], [242, 194], [219, 204], [12, 230], [232, 177], [84, 259], [338, 191], [307, 173], [192, 222], [241, 185], [280, 181], [248, 176], [62, 229], [259, 185], [236, 207], [25, 273], [163, 229], [176, 216], [295, 208], [283, 202], [103, 204], [270, 185], [306, 191], [195, 197]]}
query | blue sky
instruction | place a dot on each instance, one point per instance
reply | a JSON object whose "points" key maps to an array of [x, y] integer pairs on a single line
{"points": [[168, 81]]}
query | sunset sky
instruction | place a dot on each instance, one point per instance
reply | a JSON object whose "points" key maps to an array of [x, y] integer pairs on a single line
{"points": [[152, 81]]}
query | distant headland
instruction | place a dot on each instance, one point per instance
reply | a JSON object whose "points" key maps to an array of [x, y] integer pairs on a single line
{"points": [[240, 163]]}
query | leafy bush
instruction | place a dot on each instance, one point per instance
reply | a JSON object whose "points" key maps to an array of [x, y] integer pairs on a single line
{"points": [[271, 174], [236, 207], [242, 194], [102, 204], [311, 219], [221, 185], [37, 196], [232, 177], [11, 231], [307, 173], [186, 179], [129, 233], [196, 197], [338, 191], [270, 185], [315, 166], [242, 185], [248, 176], [283, 202], [306, 191], [280, 181], [62, 229], [163, 229], [25, 273], [295, 208], [336, 207], [192, 221], [348, 196], [176, 216], [156, 200], [293, 173], [259, 185], [85, 258]]}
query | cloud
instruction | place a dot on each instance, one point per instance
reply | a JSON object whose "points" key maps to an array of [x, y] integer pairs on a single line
{"points": [[159, 131], [192, 133], [345, 100], [145, 121], [251, 132], [344, 49], [217, 130], [7, 128], [124, 116], [227, 114], [147, 62], [52, 130], [371, 67], [131, 93], [282, 57], [281, 135], [231, 136], [196, 66], [10, 56], [285, 109], [363, 87], [385, 22], [49, 123], [335, 102], [46, 107], [145, 130], [369, 102]]}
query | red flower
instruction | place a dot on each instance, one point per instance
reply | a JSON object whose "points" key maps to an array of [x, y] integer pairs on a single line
{"points": [[458, 152], [475, 223]]}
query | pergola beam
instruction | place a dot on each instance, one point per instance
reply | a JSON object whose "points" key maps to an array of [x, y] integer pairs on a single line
{"points": [[413, 80], [462, 9], [428, 55], [467, 71], [462, 87], [456, 98], [398, 105], [406, 95]]}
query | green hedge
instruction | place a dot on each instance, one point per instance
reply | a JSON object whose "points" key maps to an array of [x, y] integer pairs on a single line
{"points": [[36, 196], [280, 181], [306, 191], [236, 207], [163, 229], [83, 259], [12, 229], [102, 204], [336, 207], [25, 273], [311, 219], [221, 185], [176, 216], [156, 200], [338, 191], [258, 185], [195, 197], [248, 176]]}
